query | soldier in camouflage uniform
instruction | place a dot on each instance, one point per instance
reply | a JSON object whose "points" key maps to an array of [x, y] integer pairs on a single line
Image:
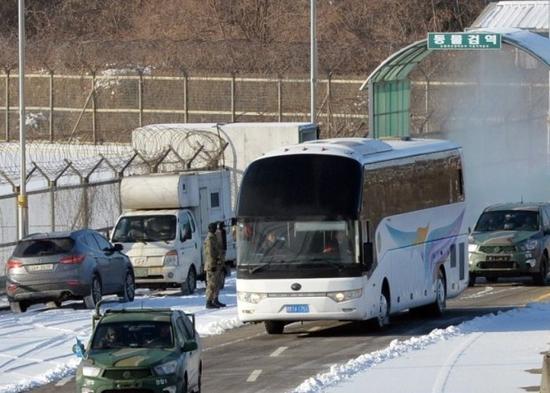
{"points": [[212, 256]]}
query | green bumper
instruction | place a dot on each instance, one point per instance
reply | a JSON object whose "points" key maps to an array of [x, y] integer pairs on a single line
{"points": [[156, 384], [517, 263]]}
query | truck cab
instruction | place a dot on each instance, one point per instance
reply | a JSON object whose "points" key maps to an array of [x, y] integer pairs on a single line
{"points": [[165, 221]]}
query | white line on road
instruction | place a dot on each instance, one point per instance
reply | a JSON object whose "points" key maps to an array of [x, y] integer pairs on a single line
{"points": [[314, 329], [254, 376], [64, 380], [278, 351]]}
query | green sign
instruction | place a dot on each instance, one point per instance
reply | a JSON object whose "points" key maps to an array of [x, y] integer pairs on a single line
{"points": [[453, 41]]}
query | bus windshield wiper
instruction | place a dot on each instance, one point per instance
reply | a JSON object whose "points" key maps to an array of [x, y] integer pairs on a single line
{"points": [[263, 265], [338, 265]]}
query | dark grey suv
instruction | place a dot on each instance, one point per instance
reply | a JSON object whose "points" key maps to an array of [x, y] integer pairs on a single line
{"points": [[59, 266]]}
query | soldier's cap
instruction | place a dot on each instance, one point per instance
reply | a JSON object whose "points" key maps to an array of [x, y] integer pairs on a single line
{"points": [[212, 227]]}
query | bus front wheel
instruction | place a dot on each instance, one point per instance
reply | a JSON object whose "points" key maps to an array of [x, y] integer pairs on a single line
{"points": [[382, 318], [274, 327]]}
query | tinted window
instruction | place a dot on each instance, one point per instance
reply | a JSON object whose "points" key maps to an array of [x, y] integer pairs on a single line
{"points": [[43, 247], [135, 334], [214, 199], [301, 186], [508, 220]]}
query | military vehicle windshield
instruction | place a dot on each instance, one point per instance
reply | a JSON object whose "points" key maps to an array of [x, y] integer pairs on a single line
{"points": [[140, 334]]}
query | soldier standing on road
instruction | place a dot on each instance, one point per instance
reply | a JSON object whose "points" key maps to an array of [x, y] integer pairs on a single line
{"points": [[221, 235], [212, 256]]}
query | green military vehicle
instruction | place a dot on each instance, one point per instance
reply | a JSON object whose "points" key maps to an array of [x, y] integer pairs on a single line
{"points": [[511, 240], [140, 350]]}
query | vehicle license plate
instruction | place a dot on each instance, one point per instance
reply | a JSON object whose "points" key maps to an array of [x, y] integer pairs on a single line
{"points": [[297, 308], [141, 272], [40, 268], [498, 257]]}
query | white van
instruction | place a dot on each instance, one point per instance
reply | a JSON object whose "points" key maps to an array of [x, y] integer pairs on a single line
{"points": [[165, 220]]}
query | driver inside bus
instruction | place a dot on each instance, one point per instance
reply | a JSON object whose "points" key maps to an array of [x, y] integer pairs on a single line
{"points": [[271, 244], [340, 246]]}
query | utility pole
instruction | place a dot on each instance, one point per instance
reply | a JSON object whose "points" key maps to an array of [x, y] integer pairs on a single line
{"points": [[22, 205], [313, 57]]}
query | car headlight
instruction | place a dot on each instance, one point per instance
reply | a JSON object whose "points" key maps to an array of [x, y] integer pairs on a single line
{"points": [[166, 368], [473, 247], [90, 371], [171, 258], [528, 245], [251, 297], [342, 296]]}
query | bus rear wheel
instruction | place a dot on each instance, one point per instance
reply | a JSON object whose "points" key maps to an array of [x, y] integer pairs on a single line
{"points": [[274, 327], [437, 308]]}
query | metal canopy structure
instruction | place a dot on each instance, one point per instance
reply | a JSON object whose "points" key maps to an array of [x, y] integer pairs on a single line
{"points": [[389, 87]]}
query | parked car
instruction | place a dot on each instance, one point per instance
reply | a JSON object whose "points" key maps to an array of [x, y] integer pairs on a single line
{"points": [[58, 266], [141, 350], [511, 239]]}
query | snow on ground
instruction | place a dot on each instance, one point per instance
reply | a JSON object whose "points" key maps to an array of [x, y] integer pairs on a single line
{"points": [[36, 347], [493, 353]]}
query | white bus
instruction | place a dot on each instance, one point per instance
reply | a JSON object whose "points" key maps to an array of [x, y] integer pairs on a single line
{"points": [[350, 229]]}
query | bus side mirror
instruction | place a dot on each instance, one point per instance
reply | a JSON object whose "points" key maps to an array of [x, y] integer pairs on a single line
{"points": [[368, 255]]}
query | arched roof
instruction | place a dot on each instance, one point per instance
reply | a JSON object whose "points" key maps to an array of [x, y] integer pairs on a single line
{"points": [[401, 63]]}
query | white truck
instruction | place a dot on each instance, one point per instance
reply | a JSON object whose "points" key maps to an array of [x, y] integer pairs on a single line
{"points": [[165, 220]]}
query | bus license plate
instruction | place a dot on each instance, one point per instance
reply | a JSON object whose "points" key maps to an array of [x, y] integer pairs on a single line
{"points": [[297, 308]]}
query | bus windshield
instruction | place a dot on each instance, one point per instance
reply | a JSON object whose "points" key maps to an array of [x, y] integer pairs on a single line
{"points": [[288, 187], [263, 243]]}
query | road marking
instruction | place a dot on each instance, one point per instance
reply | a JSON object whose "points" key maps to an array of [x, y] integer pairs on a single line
{"points": [[232, 342], [314, 329], [254, 376], [541, 298], [64, 381], [278, 351]]}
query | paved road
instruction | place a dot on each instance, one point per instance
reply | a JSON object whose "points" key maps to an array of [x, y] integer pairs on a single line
{"points": [[247, 360]]}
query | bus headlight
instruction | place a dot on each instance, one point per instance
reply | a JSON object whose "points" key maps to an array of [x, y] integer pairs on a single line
{"points": [[251, 297], [342, 296]]}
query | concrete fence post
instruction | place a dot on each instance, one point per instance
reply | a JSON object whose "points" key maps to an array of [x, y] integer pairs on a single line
{"points": [[7, 105], [545, 379]]}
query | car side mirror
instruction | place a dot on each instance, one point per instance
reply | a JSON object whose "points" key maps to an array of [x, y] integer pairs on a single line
{"points": [[189, 346], [368, 255], [118, 247], [78, 349]]}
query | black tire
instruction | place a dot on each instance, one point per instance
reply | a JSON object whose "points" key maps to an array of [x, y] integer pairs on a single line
{"points": [[541, 277], [437, 308], [129, 290], [383, 317], [189, 286], [184, 385], [274, 327], [472, 280], [95, 294], [18, 307]]}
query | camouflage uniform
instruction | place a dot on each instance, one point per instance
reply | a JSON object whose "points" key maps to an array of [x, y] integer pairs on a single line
{"points": [[212, 257]]}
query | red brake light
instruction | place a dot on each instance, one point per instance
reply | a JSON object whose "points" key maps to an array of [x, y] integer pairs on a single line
{"points": [[14, 264], [72, 259]]}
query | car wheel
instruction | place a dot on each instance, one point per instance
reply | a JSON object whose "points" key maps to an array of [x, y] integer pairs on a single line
{"points": [[190, 284], [274, 327], [472, 280], [184, 386], [129, 291], [437, 308], [382, 319], [18, 307], [94, 297], [542, 277]]}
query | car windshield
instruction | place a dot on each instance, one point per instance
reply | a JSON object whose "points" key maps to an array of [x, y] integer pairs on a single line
{"points": [[508, 220], [141, 334], [132, 229], [43, 247]]}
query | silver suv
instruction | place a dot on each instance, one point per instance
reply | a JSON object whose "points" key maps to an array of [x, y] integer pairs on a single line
{"points": [[59, 266]]}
